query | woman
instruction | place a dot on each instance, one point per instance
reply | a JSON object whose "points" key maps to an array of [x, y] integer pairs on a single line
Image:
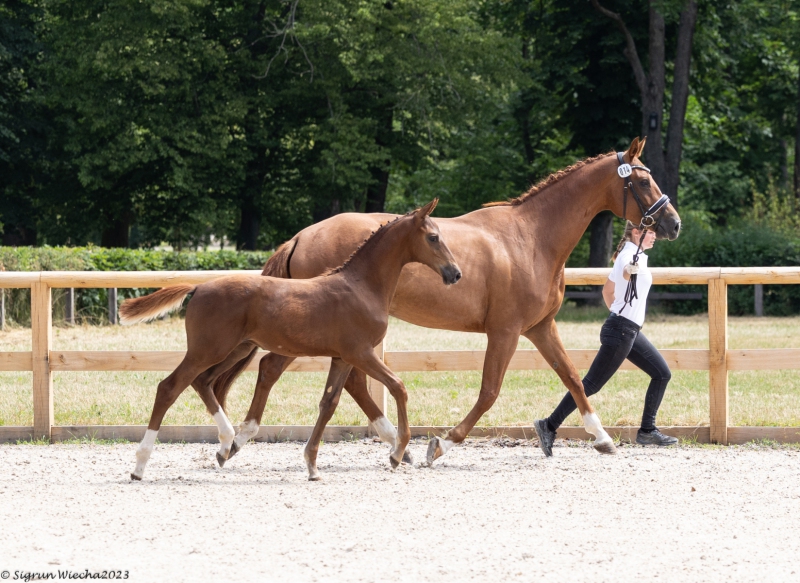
{"points": [[621, 337]]}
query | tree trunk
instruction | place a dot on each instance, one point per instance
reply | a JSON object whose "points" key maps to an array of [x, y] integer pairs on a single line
{"points": [[249, 224], [680, 97], [117, 234], [376, 192], [601, 243], [797, 151], [663, 159]]}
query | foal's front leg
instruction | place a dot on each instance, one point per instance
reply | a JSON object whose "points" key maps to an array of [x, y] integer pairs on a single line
{"points": [[327, 405]]}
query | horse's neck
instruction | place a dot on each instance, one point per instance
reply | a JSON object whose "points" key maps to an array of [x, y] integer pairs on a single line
{"points": [[562, 212], [377, 265]]}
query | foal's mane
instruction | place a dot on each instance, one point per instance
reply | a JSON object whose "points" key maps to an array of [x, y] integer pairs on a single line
{"points": [[550, 180], [374, 236]]}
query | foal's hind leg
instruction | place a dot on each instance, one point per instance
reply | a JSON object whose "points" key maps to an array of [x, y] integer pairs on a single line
{"points": [[330, 399], [204, 385], [270, 368], [168, 391]]}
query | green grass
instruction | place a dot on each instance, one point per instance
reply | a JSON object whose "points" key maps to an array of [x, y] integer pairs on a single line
{"points": [[440, 398]]}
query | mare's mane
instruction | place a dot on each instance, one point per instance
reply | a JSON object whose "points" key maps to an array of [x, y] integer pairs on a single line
{"points": [[549, 181], [373, 237]]}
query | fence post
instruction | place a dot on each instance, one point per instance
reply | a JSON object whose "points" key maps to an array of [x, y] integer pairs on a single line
{"points": [[69, 306], [376, 390], [2, 309], [112, 305], [759, 300], [718, 369], [42, 330]]}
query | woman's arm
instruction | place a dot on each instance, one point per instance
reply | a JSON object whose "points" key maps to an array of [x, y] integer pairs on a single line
{"points": [[608, 293]]}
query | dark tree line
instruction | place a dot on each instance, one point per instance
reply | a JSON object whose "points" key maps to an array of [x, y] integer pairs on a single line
{"points": [[132, 124]]}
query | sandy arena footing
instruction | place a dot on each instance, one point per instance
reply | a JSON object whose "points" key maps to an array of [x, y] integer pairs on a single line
{"points": [[489, 510]]}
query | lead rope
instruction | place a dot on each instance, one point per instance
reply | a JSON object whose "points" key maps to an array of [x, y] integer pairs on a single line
{"points": [[630, 292]]}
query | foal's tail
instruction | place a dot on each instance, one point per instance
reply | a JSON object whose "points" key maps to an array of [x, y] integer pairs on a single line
{"points": [[278, 264], [156, 304]]}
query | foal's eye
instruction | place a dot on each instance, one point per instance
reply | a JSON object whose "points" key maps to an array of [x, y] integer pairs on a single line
{"points": [[433, 238]]}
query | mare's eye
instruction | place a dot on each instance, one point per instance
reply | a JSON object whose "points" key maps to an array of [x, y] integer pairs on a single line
{"points": [[433, 238], [645, 183]]}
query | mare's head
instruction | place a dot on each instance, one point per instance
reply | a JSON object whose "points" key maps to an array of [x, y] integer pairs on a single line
{"points": [[665, 221], [427, 246]]}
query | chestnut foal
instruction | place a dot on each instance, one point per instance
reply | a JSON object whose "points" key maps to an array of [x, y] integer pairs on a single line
{"points": [[342, 314]]}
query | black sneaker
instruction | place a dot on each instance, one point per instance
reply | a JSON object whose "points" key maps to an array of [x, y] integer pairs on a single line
{"points": [[546, 437], [655, 437]]}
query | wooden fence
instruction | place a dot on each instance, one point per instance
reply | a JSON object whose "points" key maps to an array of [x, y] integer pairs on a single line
{"points": [[43, 361]]}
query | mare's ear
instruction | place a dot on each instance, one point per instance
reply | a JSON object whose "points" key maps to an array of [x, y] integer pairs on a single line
{"points": [[642, 142], [426, 210], [633, 150]]}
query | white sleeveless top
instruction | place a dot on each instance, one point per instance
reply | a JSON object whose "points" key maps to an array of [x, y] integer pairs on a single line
{"points": [[634, 312]]}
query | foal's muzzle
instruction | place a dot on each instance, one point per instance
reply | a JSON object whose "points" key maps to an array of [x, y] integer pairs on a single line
{"points": [[450, 274]]}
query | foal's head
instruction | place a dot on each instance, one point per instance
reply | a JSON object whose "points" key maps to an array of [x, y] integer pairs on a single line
{"points": [[427, 246], [667, 222]]}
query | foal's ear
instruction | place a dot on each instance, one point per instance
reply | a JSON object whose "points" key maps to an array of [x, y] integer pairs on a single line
{"points": [[427, 209]]}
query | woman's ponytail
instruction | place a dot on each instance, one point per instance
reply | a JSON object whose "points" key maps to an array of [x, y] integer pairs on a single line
{"points": [[626, 236]]}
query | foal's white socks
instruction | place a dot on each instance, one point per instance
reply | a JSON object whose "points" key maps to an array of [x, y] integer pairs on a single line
{"points": [[226, 433], [592, 424], [143, 453], [247, 429], [386, 431]]}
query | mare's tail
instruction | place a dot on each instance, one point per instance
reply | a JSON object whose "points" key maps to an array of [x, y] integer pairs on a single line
{"points": [[154, 305], [278, 264]]}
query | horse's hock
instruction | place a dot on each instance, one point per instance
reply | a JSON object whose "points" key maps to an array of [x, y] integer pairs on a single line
{"points": [[717, 359]]}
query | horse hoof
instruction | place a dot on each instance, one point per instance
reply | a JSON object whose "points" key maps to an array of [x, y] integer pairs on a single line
{"points": [[135, 478], [221, 460], [606, 447], [234, 449], [314, 478], [407, 459], [395, 463], [434, 450]]}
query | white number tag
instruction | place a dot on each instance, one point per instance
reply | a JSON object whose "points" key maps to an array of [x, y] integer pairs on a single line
{"points": [[624, 170]]}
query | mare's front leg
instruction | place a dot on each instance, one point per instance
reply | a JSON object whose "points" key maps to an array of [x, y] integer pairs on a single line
{"points": [[499, 351], [270, 368], [327, 405], [546, 339]]}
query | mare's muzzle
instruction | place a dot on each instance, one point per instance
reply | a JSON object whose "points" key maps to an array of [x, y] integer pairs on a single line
{"points": [[668, 227], [450, 274]]}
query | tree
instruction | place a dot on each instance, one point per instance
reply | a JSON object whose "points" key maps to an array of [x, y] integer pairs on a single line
{"points": [[663, 156]]}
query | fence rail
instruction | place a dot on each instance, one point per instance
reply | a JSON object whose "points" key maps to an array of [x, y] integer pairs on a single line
{"points": [[43, 361]]}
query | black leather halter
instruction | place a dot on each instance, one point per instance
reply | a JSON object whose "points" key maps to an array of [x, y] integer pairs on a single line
{"points": [[648, 222]]}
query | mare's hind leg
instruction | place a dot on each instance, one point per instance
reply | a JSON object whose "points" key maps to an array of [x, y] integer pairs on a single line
{"points": [[356, 385], [545, 336], [204, 385], [270, 368], [168, 391], [327, 405]]}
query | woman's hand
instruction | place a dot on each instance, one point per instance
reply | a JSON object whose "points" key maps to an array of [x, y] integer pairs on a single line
{"points": [[630, 269]]}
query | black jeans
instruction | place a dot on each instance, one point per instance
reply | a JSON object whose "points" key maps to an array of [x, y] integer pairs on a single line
{"points": [[621, 338]]}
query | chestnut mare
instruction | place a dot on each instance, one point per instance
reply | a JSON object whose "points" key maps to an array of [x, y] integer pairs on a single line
{"points": [[513, 255], [343, 314]]}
